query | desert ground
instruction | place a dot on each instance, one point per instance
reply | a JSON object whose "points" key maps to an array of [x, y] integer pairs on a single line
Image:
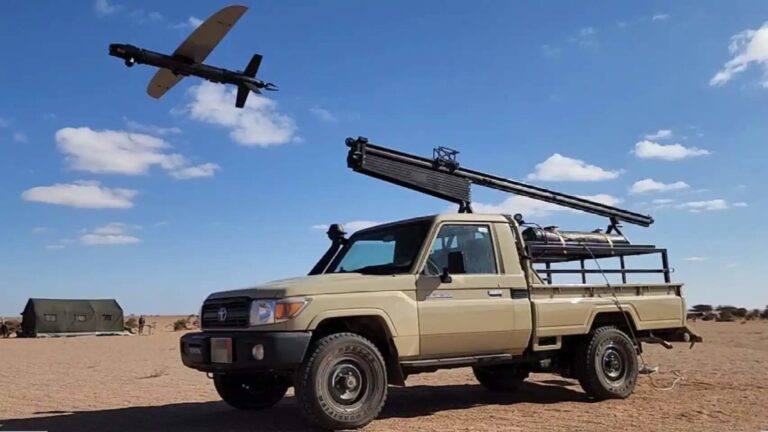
{"points": [[137, 383]]}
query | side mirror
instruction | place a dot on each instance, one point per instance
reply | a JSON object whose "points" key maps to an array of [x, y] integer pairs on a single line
{"points": [[455, 266]]}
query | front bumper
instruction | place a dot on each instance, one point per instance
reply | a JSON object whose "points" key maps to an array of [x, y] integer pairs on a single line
{"points": [[282, 350]]}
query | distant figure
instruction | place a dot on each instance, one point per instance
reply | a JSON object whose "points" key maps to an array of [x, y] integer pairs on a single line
{"points": [[4, 330], [142, 321]]}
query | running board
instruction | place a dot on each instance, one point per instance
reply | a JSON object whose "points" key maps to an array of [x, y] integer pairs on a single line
{"points": [[457, 362]]}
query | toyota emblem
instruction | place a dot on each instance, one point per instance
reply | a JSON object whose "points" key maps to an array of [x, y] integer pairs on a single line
{"points": [[222, 314]]}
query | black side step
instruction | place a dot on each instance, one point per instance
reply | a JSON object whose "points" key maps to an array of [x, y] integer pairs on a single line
{"points": [[457, 362]]}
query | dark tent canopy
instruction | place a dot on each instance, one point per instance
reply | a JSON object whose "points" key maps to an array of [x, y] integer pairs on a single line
{"points": [[56, 316]]}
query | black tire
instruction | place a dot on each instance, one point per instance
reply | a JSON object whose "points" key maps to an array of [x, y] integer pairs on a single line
{"points": [[606, 364], [501, 378], [343, 382], [250, 392]]}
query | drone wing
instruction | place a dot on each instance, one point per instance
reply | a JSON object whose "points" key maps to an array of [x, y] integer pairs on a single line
{"points": [[205, 38], [163, 80], [197, 46]]}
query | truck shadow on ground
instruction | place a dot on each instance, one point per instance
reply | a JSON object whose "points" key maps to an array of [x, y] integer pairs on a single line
{"points": [[410, 402]]}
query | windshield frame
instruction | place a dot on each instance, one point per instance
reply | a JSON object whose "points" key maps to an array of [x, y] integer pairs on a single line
{"points": [[427, 223]]}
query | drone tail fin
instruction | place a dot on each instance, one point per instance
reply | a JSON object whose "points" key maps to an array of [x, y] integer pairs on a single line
{"points": [[243, 90], [253, 66]]}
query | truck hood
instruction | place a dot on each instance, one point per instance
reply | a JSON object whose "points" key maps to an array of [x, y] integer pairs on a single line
{"points": [[330, 283]]}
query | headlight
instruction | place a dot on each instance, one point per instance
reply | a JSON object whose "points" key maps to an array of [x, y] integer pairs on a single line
{"points": [[272, 311]]}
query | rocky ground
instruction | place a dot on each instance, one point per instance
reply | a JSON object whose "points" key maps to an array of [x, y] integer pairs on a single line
{"points": [[137, 383]]}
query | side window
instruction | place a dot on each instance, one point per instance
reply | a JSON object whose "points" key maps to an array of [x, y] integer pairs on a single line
{"points": [[49, 317], [106, 317], [80, 317], [474, 241]]}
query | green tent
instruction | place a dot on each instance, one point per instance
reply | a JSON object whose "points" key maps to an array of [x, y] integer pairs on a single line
{"points": [[59, 316]]}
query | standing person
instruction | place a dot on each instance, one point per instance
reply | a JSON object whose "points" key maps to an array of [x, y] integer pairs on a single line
{"points": [[142, 321], [4, 330]]}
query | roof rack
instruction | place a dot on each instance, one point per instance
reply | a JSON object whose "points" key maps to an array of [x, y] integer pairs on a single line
{"points": [[443, 177]]}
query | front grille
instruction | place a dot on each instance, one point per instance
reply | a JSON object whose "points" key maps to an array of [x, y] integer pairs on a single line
{"points": [[237, 311]]}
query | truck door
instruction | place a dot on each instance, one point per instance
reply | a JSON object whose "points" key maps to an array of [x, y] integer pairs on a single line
{"points": [[474, 312]]}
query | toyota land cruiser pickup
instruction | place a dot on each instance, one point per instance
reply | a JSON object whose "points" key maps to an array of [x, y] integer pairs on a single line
{"points": [[444, 291]]}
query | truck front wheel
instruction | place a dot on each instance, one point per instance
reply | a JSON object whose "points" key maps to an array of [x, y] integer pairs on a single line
{"points": [[252, 391], [501, 378], [606, 364], [343, 382]]}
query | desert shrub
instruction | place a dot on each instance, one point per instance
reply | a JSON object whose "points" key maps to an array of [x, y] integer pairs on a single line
{"points": [[740, 312], [725, 316], [179, 325], [131, 323], [702, 308], [754, 314]]}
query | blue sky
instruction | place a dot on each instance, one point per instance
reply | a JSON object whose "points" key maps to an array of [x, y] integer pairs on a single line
{"points": [[105, 192]]}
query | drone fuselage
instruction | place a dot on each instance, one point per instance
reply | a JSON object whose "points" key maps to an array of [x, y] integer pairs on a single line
{"points": [[182, 66]]}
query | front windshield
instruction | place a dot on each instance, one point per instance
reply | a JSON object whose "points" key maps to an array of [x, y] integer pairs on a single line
{"points": [[385, 251]]}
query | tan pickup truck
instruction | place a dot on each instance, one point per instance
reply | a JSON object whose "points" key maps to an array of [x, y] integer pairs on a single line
{"points": [[451, 290]]}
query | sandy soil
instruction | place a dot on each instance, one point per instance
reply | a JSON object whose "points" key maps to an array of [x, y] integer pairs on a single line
{"points": [[138, 384]]}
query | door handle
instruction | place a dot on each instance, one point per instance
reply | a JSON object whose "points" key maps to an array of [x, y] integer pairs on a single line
{"points": [[495, 293]]}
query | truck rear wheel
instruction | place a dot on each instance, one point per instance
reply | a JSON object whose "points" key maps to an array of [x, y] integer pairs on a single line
{"points": [[250, 392], [343, 382], [501, 378], [606, 364]]}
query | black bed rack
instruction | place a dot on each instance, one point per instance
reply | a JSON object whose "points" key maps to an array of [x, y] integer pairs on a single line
{"points": [[548, 253]]}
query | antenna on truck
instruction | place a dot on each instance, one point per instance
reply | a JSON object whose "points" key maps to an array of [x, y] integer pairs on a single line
{"points": [[443, 177]]}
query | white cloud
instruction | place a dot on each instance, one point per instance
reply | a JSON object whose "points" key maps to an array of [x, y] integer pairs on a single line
{"points": [[602, 199], [663, 201], [120, 152], [530, 207], [323, 114], [561, 168], [39, 230], [82, 194], [150, 129], [700, 206], [586, 36], [740, 204], [660, 17], [104, 7], [20, 137], [54, 247], [194, 22], [650, 185], [748, 47], [204, 170], [191, 22], [651, 150], [695, 258], [659, 135], [257, 124], [350, 226], [114, 233]]}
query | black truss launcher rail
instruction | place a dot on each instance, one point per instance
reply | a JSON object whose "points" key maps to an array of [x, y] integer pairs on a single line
{"points": [[442, 177]]}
